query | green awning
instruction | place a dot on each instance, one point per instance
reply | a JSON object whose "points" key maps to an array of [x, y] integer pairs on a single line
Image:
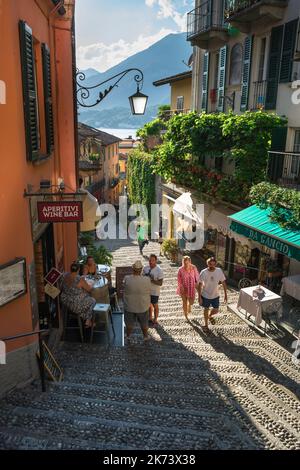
{"points": [[255, 223]]}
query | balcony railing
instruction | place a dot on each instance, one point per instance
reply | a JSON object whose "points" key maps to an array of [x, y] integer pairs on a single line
{"points": [[173, 112], [284, 169], [240, 7], [203, 18], [259, 96]]}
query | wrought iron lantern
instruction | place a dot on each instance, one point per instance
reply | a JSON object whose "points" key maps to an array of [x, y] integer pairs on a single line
{"points": [[138, 101]]}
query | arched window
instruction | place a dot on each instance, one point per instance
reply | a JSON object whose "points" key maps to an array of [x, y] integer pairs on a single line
{"points": [[236, 58]]}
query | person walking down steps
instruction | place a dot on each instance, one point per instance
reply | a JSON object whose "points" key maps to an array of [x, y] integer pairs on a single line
{"points": [[141, 238], [209, 295], [188, 278], [137, 299], [156, 275]]}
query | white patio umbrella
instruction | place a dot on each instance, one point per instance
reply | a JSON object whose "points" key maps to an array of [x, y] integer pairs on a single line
{"points": [[91, 212]]}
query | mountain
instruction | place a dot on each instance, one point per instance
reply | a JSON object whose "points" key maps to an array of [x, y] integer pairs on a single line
{"points": [[162, 59]]}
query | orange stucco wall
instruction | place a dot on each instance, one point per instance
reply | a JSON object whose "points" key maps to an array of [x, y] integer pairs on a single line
{"points": [[15, 172]]}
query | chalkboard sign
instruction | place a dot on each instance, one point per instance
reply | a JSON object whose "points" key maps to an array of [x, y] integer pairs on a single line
{"points": [[121, 272], [53, 369]]}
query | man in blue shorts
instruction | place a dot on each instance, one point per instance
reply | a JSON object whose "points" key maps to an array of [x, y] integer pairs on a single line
{"points": [[156, 276], [209, 295]]}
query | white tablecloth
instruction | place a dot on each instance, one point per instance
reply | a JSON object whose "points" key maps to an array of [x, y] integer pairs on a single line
{"points": [[291, 286], [256, 307]]}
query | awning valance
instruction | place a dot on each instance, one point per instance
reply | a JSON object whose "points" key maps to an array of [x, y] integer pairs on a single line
{"points": [[255, 223]]}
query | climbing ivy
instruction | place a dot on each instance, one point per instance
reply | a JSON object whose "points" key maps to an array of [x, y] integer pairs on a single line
{"points": [[284, 204], [141, 180], [193, 140]]}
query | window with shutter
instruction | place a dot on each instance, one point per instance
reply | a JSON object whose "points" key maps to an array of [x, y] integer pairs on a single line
{"points": [[222, 78], [205, 82], [246, 72], [180, 103], [276, 160], [288, 48], [235, 70], [48, 98], [29, 92], [274, 67]]}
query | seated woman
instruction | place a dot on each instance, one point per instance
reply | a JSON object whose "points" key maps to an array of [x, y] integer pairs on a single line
{"points": [[75, 295], [91, 266]]}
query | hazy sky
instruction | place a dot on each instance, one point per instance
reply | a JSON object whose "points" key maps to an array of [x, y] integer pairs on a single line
{"points": [[109, 31]]}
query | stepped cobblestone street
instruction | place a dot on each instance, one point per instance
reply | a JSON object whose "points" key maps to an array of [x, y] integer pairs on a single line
{"points": [[184, 389]]}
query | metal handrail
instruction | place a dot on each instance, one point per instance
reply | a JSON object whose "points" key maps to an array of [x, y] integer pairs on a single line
{"points": [[40, 333]]}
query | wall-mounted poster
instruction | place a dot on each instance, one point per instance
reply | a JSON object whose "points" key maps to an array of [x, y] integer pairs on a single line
{"points": [[53, 276], [12, 280]]}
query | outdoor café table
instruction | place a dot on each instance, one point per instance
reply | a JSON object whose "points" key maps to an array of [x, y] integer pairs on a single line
{"points": [[104, 271], [256, 307], [291, 286], [100, 290]]}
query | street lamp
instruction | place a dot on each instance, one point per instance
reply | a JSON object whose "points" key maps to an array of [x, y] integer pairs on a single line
{"points": [[138, 101]]}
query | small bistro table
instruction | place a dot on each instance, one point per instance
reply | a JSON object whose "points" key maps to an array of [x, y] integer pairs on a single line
{"points": [[270, 302]]}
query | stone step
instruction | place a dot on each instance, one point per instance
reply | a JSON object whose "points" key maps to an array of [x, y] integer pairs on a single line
{"points": [[133, 435], [12, 438]]}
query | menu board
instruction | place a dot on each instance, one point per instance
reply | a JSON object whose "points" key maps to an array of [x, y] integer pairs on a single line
{"points": [[121, 272], [12, 280]]}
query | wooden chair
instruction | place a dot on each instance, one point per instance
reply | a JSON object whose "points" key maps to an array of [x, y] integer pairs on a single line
{"points": [[67, 315]]}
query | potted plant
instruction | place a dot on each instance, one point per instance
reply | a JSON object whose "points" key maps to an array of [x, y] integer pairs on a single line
{"points": [[101, 255], [170, 249]]}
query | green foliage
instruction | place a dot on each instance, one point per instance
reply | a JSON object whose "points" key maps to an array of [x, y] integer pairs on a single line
{"points": [[151, 128], [101, 255], [284, 204], [164, 112], [169, 247], [94, 157], [191, 138], [86, 238], [141, 180]]}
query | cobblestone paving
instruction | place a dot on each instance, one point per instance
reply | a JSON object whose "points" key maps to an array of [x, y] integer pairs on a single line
{"points": [[229, 389]]}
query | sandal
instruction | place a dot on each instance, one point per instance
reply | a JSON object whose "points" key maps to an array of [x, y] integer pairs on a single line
{"points": [[212, 320]]}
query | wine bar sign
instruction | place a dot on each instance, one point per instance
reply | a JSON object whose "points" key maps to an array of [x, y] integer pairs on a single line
{"points": [[63, 211]]}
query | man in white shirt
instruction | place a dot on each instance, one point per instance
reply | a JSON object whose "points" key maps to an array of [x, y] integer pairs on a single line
{"points": [[156, 276], [209, 295]]}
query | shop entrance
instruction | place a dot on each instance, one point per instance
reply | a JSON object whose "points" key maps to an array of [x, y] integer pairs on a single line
{"points": [[44, 257]]}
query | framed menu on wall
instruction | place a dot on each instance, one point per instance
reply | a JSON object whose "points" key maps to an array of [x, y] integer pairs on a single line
{"points": [[12, 280]]}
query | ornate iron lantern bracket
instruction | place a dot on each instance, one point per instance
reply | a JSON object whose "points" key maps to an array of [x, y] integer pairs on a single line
{"points": [[84, 92]]}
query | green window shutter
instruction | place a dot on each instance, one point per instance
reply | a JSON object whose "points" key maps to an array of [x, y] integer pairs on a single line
{"points": [[29, 92], [246, 72], [221, 79], [288, 48], [205, 82], [276, 161], [48, 98], [274, 67]]}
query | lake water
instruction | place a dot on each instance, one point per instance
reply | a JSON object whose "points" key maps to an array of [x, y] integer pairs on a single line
{"points": [[121, 133]]}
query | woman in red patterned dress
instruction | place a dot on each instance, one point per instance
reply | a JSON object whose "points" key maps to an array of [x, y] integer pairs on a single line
{"points": [[188, 280]]}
